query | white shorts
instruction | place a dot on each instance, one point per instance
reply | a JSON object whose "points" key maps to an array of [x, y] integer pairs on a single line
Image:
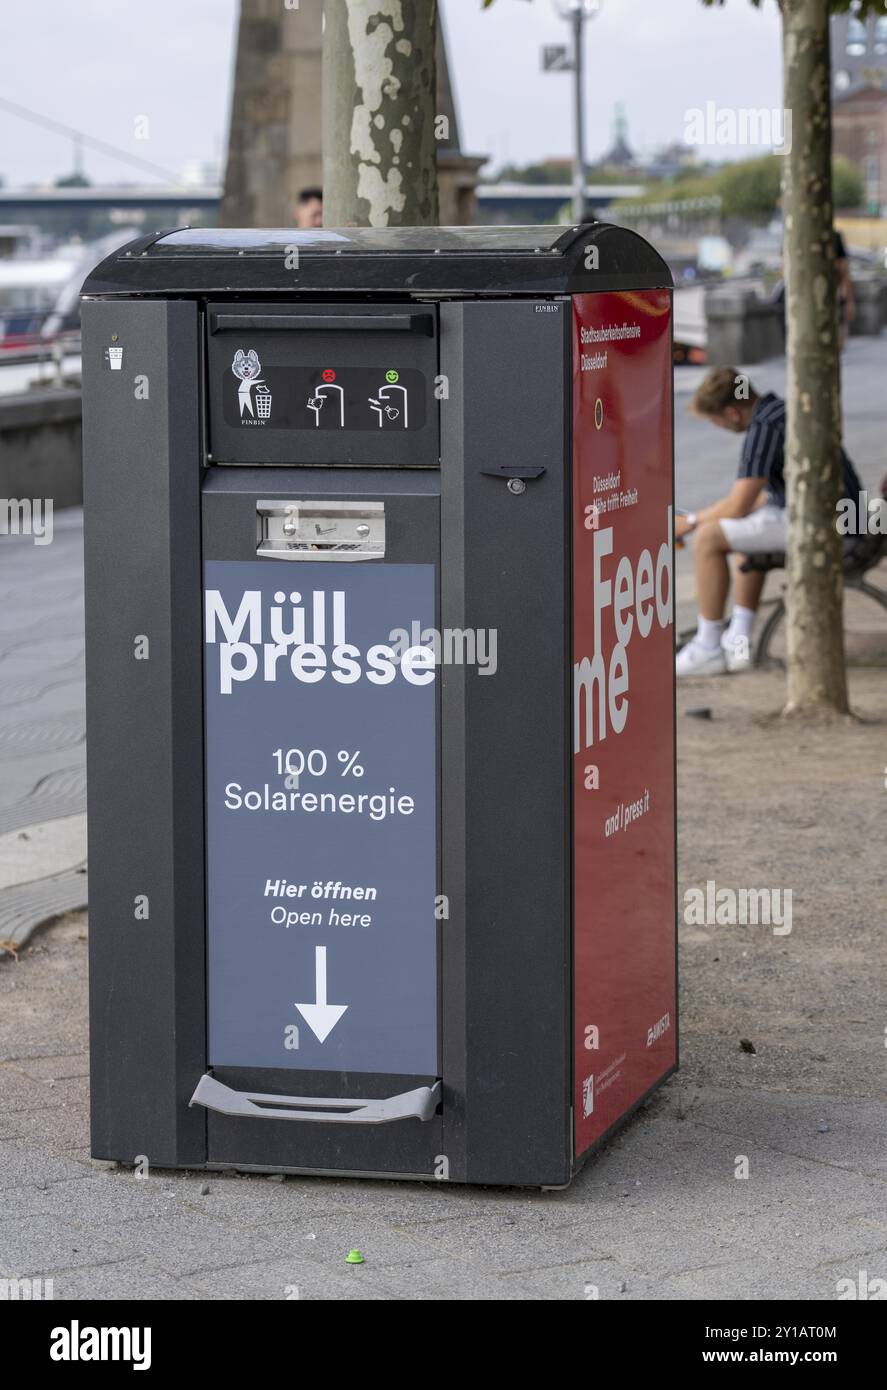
{"points": [[762, 530]]}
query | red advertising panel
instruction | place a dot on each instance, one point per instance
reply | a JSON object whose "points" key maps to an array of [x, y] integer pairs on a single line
{"points": [[623, 705]]}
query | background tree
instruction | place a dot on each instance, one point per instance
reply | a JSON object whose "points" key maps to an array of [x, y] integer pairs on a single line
{"points": [[749, 188], [817, 680], [379, 86]]}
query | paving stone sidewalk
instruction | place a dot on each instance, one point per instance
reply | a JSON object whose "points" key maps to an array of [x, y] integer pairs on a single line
{"points": [[660, 1212], [658, 1215], [42, 750]]}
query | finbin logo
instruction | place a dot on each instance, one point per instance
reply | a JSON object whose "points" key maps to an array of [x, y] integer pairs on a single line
{"points": [[257, 642]]}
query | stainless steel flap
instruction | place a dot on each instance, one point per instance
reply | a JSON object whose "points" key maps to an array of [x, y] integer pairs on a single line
{"points": [[320, 530]]}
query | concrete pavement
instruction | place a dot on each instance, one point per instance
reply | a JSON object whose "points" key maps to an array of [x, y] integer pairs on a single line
{"points": [[42, 751]]}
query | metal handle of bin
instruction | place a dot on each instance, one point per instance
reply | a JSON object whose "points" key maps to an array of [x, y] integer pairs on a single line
{"points": [[323, 323], [409, 1105], [332, 529]]}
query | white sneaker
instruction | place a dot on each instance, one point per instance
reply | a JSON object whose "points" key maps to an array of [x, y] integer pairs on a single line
{"points": [[737, 653], [696, 660]]}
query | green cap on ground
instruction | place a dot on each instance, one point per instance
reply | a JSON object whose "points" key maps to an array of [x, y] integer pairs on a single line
{"points": [[354, 1257]]}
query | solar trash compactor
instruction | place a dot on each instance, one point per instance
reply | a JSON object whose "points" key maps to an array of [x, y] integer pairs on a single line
{"points": [[380, 698]]}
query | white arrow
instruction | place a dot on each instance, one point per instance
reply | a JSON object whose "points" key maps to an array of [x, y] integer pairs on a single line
{"points": [[321, 1017]]}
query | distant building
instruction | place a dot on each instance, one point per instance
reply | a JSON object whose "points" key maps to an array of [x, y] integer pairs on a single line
{"points": [[859, 101], [620, 154], [671, 160], [859, 54], [859, 133]]}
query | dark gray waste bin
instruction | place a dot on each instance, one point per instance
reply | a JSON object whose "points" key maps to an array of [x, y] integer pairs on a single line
{"points": [[380, 698]]}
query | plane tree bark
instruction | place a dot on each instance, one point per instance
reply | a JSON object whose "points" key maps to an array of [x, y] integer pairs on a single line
{"points": [[379, 88], [815, 637]]}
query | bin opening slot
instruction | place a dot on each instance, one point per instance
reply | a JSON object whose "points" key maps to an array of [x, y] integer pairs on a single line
{"points": [[324, 323]]}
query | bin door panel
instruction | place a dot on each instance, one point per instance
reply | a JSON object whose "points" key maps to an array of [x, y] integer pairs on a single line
{"points": [[321, 815], [303, 383]]}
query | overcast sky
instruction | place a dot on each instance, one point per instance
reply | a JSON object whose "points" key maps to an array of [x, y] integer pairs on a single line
{"points": [[99, 65]]}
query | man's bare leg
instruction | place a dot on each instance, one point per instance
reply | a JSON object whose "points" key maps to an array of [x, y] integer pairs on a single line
{"points": [[713, 649], [747, 587], [710, 550], [704, 655]]}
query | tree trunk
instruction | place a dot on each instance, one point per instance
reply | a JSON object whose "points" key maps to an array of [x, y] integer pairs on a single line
{"points": [[379, 85], [816, 675]]}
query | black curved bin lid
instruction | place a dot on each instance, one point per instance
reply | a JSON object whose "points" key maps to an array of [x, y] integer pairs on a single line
{"points": [[382, 260]]}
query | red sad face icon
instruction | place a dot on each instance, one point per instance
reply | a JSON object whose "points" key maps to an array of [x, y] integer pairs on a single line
{"points": [[328, 374]]}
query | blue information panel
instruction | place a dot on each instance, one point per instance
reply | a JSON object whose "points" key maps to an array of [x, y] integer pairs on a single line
{"points": [[321, 816]]}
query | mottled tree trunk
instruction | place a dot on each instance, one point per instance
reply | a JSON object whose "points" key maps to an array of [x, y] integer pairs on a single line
{"points": [[816, 675], [379, 166]]}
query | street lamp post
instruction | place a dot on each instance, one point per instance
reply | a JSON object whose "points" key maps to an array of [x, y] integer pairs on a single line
{"points": [[576, 13], [578, 19]]}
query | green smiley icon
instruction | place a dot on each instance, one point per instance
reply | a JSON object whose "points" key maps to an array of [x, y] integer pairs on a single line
{"points": [[392, 375]]}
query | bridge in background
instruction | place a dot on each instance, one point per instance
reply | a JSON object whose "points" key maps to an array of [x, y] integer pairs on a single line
{"points": [[167, 205]]}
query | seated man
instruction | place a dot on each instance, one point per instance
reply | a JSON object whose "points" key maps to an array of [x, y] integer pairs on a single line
{"points": [[749, 520]]}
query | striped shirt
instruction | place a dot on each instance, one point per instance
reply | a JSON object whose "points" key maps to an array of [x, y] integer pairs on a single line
{"points": [[763, 451]]}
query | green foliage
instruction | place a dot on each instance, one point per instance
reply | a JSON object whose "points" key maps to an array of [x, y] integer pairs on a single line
{"points": [[549, 172], [561, 171], [848, 185], [749, 188]]}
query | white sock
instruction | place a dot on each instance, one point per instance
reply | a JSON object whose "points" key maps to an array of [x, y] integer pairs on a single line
{"points": [[708, 633], [742, 620]]}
